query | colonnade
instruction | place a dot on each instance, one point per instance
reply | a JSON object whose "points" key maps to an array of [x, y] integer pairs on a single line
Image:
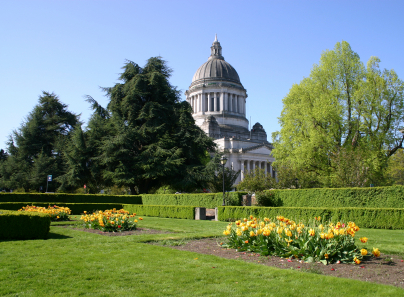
{"points": [[251, 165], [217, 102]]}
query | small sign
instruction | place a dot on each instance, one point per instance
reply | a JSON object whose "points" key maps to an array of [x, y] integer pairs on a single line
{"points": [[49, 178]]}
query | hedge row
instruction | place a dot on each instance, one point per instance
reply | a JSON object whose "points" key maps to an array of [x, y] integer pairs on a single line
{"points": [[70, 198], [378, 197], [19, 225], [76, 208], [208, 200], [165, 211], [379, 218]]}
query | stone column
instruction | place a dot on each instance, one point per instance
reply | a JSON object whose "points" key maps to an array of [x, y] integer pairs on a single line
{"points": [[242, 170], [209, 103], [215, 101], [270, 169], [236, 103], [221, 101], [253, 166], [248, 166], [203, 103]]}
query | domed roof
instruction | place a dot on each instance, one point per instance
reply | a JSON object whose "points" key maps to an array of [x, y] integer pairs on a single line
{"points": [[216, 68]]}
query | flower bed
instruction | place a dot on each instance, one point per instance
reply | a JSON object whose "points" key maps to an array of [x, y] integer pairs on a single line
{"points": [[56, 213], [319, 242], [111, 220]]}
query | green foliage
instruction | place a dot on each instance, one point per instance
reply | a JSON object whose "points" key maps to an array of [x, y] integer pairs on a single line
{"points": [[69, 198], [22, 225], [152, 137], [310, 242], [214, 170], [208, 200], [165, 190], [83, 167], [395, 170], [257, 180], [380, 218], [340, 125], [376, 197], [36, 148], [162, 211]]}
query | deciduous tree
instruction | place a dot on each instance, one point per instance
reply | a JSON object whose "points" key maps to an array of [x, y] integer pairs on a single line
{"points": [[342, 111]]}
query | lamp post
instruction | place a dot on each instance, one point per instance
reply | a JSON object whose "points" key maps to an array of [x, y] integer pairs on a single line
{"points": [[223, 161]]}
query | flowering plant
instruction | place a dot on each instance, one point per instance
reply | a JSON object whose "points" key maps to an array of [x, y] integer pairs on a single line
{"points": [[285, 238], [56, 213], [110, 220]]}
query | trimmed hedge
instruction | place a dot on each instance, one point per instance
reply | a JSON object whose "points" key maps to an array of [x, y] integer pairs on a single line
{"points": [[162, 211], [378, 197], [379, 218], [19, 225], [76, 208], [208, 200], [70, 198]]}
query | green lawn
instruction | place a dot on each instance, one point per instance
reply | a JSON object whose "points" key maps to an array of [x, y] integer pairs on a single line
{"points": [[74, 263]]}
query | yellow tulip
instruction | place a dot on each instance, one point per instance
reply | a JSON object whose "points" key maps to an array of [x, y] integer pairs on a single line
{"points": [[376, 252], [364, 252]]}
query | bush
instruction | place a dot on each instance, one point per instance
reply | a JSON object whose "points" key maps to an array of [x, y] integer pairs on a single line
{"points": [[76, 208], [23, 225], [208, 200], [377, 197], [379, 218], [165, 211], [69, 198]]}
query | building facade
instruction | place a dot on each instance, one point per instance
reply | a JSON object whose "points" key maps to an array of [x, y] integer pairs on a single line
{"points": [[219, 101]]}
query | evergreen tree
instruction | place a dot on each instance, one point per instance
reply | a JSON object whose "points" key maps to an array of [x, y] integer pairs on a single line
{"points": [[152, 138], [35, 149]]}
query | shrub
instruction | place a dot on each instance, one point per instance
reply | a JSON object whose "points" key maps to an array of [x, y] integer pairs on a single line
{"points": [[377, 197], [318, 241], [23, 225], [56, 213], [111, 220], [163, 211], [381, 218], [69, 198], [208, 200]]}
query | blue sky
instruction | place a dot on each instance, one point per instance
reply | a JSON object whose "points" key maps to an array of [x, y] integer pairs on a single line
{"points": [[73, 47]]}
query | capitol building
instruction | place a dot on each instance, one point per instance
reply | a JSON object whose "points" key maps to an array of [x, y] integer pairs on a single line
{"points": [[219, 102]]}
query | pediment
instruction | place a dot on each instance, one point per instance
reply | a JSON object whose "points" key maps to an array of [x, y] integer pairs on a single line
{"points": [[262, 149]]}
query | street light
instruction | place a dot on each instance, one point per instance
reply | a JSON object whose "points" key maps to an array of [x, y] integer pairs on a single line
{"points": [[223, 161]]}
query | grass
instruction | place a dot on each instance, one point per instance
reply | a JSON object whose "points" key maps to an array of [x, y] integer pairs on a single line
{"points": [[76, 263], [388, 241]]}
